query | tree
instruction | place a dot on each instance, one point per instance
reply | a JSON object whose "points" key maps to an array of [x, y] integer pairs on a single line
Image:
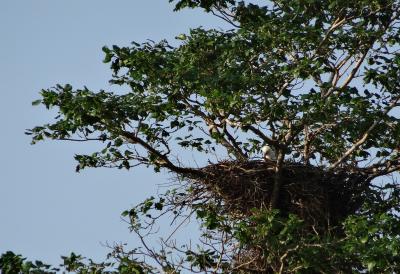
{"points": [[317, 81]]}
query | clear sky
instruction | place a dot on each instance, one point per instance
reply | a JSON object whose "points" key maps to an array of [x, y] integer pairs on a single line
{"points": [[46, 209]]}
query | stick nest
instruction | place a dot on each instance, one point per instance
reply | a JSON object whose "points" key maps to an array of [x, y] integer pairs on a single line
{"points": [[323, 199]]}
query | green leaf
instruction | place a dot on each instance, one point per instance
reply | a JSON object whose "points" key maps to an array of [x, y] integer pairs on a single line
{"points": [[36, 102]]}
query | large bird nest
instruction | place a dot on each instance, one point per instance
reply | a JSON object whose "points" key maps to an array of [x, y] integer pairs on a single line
{"points": [[323, 199]]}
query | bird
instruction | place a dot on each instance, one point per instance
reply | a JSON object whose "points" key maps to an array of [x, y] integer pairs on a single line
{"points": [[268, 153]]}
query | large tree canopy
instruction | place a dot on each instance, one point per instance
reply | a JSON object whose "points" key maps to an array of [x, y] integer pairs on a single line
{"points": [[317, 81]]}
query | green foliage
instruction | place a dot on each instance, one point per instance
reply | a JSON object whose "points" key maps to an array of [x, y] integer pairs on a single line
{"points": [[318, 81], [219, 81], [375, 241], [11, 263]]}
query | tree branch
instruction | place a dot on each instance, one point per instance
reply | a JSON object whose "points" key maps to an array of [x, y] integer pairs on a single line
{"points": [[213, 127], [364, 137], [381, 169], [163, 159], [265, 138], [235, 144]]}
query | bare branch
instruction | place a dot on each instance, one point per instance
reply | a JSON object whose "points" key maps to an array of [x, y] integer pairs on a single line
{"points": [[81, 140], [355, 69], [235, 144], [365, 136], [222, 15], [265, 138], [235, 150]]}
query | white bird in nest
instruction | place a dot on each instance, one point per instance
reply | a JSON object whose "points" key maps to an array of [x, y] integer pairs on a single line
{"points": [[268, 153]]}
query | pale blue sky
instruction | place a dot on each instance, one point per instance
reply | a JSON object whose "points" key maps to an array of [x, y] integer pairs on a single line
{"points": [[46, 209]]}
